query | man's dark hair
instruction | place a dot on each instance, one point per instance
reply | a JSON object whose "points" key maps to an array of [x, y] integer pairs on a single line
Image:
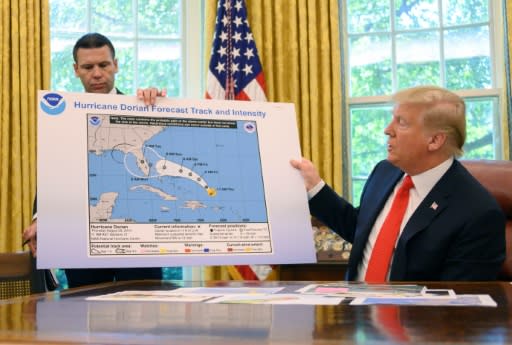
{"points": [[93, 40]]}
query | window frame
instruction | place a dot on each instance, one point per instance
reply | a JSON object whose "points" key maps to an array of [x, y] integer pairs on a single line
{"points": [[192, 54], [497, 56]]}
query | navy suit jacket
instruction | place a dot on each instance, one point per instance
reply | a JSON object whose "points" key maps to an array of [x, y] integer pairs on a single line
{"points": [[456, 233]]}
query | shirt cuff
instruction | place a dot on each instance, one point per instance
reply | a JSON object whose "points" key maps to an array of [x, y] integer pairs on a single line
{"points": [[314, 191]]}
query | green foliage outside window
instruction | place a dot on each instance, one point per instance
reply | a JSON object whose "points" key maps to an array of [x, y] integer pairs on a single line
{"points": [[148, 43]]}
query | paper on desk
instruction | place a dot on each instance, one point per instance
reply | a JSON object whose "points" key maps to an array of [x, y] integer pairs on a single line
{"points": [[280, 298], [197, 294], [228, 290], [241, 295], [353, 289], [459, 300], [149, 296]]}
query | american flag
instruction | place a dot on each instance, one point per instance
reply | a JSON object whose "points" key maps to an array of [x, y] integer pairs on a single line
{"points": [[235, 73], [235, 70]]}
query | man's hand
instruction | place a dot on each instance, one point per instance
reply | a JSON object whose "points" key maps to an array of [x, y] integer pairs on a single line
{"points": [[150, 94], [30, 237], [308, 172]]}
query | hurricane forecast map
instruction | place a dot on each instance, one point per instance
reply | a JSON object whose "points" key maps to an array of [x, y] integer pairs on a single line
{"points": [[179, 179], [182, 182]]}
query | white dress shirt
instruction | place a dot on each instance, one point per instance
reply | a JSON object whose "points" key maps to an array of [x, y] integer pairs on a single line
{"points": [[423, 184]]}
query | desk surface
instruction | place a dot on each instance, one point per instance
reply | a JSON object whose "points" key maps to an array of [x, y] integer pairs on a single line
{"points": [[67, 318]]}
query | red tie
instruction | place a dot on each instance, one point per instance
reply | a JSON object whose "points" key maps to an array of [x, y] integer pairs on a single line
{"points": [[387, 319], [380, 258]]}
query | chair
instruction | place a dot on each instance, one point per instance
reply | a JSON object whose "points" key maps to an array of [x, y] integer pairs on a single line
{"points": [[15, 274], [496, 177]]}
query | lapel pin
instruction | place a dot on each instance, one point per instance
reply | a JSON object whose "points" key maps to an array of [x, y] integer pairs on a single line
{"points": [[434, 206]]}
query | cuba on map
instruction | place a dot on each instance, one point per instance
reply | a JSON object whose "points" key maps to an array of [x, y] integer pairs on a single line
{"points": [[175, 186]]}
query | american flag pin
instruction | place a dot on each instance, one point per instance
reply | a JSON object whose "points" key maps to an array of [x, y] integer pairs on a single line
{"points": [[434, 206]]}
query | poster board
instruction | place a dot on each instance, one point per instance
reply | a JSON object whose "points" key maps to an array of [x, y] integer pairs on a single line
{"points": [[183, 182]]}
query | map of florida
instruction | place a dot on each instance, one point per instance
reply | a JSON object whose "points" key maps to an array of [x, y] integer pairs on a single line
{"points": [[105, 136]]}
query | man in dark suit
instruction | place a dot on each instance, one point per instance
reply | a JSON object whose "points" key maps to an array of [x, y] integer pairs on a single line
{"points": [[96, 66], [452, 228]]}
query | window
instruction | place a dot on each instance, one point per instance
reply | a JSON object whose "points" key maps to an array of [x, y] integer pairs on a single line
{"points": [[395, 44], [158, 43]]}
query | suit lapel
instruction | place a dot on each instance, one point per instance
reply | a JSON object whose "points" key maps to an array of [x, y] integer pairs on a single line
{"points": [[430, 208], [433, 205], [376, 193]]}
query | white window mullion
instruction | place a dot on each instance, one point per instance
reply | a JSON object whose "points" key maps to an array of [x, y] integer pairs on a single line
{"points": [[442, 64], [394, 79], [193, 70], [497, 33], [89, 16], [136, 38]]}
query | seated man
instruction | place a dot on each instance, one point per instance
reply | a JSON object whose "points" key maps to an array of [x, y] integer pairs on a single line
{"points": [[422, 215]]}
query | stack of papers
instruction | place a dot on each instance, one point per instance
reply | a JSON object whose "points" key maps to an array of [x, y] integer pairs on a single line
{"points": [[349, 289], [378, 294], [313, 294]]}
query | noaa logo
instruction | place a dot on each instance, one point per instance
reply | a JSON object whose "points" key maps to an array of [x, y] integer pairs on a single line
{"points": [[94, 120], [249, 127], [52, 104]]}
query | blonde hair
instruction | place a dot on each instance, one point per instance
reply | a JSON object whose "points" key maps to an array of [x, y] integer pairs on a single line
{"points": [[443, 110]]}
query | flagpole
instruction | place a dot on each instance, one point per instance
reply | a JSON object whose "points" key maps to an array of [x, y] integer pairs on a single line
{"points": [[230, 87]]}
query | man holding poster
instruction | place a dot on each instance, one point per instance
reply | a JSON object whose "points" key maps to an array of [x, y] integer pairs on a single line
{"points": [[182, 182], [96, 66]]}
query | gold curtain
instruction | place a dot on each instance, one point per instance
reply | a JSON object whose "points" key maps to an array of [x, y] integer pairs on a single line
{"points": [[25, 68], [299, 46], [507, 119]]}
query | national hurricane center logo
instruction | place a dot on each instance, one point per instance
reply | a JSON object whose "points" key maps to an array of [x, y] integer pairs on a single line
{"points": [[250, 127], [95, 120], [53, 104]]}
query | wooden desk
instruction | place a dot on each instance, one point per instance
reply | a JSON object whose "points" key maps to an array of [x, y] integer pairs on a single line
{"points": [[322, 270], [67, 318]]}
